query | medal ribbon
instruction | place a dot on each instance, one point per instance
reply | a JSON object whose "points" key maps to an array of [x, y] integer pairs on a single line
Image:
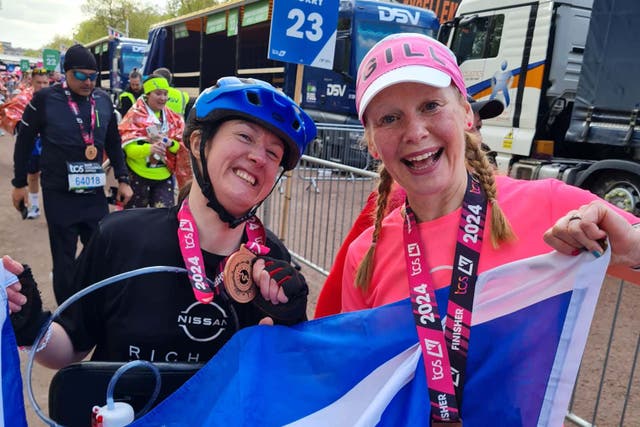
{"points": [[192, 255], [445, 354], [87, 137]]}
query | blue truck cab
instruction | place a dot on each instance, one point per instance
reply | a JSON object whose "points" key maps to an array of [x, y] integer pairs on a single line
{"points": [[116, 57], [329, 95]]}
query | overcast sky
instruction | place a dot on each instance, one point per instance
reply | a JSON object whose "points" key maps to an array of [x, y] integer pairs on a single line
{"points": [[30, 24]]}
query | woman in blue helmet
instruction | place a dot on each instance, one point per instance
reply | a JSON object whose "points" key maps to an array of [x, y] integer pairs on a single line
{"points": [[242, 134]]}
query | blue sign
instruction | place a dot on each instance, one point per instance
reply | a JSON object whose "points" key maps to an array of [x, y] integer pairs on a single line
{"points": [[304, 32]]}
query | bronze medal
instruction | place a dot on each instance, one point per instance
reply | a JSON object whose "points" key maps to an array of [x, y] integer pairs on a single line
{"points": [[238, 277], [90, 152]]}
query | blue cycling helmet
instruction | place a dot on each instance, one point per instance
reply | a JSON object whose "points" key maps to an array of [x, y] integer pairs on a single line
{"points": [[252, 100], [257, 101]]}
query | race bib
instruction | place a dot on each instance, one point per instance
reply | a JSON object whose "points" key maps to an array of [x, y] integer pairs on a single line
{"points": [[85, 176]]}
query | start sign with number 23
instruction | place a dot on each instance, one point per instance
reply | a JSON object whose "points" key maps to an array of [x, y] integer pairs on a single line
{"points": [[304, 32]]}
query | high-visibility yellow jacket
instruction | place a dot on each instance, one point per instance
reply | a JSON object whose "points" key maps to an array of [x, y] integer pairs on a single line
{"points": [[177, 100]]}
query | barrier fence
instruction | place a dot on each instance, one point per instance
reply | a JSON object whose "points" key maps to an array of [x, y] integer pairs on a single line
{"points": [[607, 391], [314, 206]]}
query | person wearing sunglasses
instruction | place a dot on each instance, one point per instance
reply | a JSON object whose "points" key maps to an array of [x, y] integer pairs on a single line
{"points": [[40, 71], [77, 125]]}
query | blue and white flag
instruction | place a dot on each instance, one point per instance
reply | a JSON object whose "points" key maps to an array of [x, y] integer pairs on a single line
{"points": [[115, 33], [12, 411], [529, 329]]}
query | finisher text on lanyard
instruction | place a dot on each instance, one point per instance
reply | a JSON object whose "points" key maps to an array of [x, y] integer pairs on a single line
{"points": [[90, 151], [192, 255], [445, 354]]}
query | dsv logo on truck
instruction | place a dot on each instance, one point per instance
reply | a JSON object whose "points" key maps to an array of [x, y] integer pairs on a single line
{"points": [[334, 89], [389, 14]]}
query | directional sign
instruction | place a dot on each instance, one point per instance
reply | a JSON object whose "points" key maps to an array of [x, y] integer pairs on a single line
{"points": [[50, 59], [304, 32]]}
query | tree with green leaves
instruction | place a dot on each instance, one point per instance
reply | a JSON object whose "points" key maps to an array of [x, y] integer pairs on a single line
{"points": [[177, 8], [135, 16], [120, 14]]}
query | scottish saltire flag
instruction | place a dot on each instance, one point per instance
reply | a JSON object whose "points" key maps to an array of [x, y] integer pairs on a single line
{"points": [[12, 411], [114, 33], [530, 324]]}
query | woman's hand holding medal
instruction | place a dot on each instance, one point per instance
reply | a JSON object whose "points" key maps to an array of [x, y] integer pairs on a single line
{"points": [[282, 291], [269, 280], [273, 285]]}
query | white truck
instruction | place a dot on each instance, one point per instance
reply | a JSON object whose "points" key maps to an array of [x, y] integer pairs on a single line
{"points": [[568, 72]]}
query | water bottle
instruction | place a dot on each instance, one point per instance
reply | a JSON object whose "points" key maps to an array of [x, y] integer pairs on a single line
{"points": [[119, 415], [166, 143]]}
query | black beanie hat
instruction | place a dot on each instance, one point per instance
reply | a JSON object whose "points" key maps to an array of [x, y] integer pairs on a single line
{"points": [[78, 56]]}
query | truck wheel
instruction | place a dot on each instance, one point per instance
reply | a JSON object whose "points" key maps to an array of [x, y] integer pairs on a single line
{"points": [[621, 190]]}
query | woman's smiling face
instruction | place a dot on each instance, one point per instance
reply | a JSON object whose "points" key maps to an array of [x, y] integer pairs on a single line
{"points": [[157, 99], [418, 132], [243, 162]]}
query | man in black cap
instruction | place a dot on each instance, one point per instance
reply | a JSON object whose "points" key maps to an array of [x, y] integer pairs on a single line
{"points": [[77, 124], [483, 110]]}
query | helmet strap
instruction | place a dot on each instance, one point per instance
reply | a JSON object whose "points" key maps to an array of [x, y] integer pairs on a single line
{"points": [[203, 180]]}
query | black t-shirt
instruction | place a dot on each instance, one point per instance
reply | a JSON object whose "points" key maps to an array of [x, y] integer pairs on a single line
{"points": [[154, 316]]}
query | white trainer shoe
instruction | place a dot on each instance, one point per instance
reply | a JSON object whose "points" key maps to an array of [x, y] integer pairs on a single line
{"points": [[34, 212]]}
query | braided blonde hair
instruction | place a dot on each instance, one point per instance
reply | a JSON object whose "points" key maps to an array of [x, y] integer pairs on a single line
{"points": [[479, 165], [365, 269], [478, 162]]}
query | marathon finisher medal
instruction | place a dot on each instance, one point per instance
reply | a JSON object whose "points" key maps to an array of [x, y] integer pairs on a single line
{"points": [[90, 152], [237, 276]]}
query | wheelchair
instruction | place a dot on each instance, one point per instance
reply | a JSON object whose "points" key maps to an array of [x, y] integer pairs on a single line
{"points": [[77, 388]]}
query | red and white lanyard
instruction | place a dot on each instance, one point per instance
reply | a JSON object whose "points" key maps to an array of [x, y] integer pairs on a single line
{"points": [[446, 353], [192, 255], [87, 137]]}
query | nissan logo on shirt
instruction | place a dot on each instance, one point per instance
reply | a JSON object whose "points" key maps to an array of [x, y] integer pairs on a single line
{"points": [[203, 322]]}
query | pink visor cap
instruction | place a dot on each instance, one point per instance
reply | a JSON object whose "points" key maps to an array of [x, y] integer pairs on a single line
{"points": [[405, 58]]}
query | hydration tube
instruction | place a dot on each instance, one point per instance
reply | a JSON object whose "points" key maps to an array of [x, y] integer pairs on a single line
{"points": [[116, 414], [121, 370], [108, 281]]}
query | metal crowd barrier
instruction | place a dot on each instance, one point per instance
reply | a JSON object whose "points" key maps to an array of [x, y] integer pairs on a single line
{"points": [[316, 204], [341, 144], [607, 391], [313, 211], [314, 208]]}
